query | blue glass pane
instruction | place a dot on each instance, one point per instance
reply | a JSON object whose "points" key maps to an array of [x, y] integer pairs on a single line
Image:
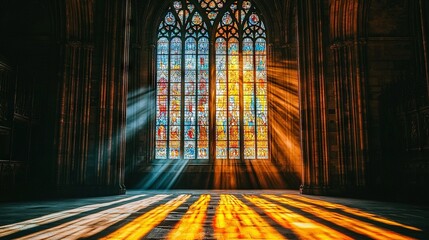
{"points": [[247, 46], [260, 47], [220, 46], [203, 118], [176, 46], [190, 76], [162, 62], [203, 76], [176, 62], [262, 119], [190, 89], [162, 46], [190, 62], [221, 118], [249, 118], [161, 117], [176, 76], [190, 46], [221, 62], [161, 150], [260, 63], [170, 19], [203, 46], [248, 62], [261, 103], [233, 46], [189, 149]]}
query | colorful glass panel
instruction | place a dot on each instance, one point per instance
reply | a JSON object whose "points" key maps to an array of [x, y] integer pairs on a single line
{"points": [[183, 70]]}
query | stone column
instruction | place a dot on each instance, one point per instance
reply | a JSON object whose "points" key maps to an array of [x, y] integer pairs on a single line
{"points": [[349, 88], [312, 96], [113, 89], [72, 136]]}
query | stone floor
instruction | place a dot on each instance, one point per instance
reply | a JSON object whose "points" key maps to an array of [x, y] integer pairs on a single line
{"points": [[213, 215]]}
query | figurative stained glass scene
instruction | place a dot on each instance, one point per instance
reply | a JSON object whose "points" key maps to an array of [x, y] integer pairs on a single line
{"points": [[236, 123]]}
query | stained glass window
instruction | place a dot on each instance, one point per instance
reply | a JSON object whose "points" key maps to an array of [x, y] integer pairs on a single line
{"points": [[240, 114]]}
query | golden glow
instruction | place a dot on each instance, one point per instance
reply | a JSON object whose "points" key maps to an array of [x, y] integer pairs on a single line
{"points": [[28, 224], [234, 220], [349, 223], [191, 225], [284, 118], [232, 174], [142, 225], [94, 223], [294, 215], [303, 227], [353, 211]]}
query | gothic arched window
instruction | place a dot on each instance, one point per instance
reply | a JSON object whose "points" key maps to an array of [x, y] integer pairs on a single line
{"points": [[192, 33]]}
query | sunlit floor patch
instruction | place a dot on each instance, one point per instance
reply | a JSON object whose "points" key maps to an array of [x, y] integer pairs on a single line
{"points": [[94, 223], [191, 225], [352, 224], [235, 220], [353, 211], [36, 222], [139, 227], [303, 227], [216, 214]]}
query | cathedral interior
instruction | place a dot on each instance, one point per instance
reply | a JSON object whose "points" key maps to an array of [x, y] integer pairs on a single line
{"points": [[149, 117]]}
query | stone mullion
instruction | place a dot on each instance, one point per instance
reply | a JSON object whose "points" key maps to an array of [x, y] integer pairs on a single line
{"points": [[312, 102]]}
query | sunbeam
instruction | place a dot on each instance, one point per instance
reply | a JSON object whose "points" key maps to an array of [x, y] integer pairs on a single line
{"points": [[219, 215]]}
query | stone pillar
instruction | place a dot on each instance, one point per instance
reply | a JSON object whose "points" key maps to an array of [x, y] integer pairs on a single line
{"points": [[312, 96], [72, 136], [113, 89], [349, 88]]}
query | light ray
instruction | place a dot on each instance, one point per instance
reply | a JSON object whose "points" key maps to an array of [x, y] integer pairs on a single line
{"points": [[36, 222], [353, 211], [234, 220], [142, 225], [191, 225], [352, 224], [94, 223], [304, 227]]}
